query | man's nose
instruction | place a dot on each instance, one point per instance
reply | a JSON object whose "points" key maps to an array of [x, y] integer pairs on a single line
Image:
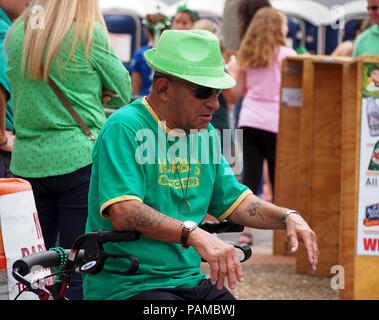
{"points": [[212, 102]]}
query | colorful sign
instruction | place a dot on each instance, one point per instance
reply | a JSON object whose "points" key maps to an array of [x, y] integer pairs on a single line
{"points": [[368, 194]]}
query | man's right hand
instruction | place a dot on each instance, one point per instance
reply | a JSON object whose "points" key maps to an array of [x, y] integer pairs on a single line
{"points": [[221, 256], [9, 136]]}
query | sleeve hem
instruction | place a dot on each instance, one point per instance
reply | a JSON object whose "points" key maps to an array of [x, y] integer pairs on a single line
{"points": [[107, 204], [236, 203]]}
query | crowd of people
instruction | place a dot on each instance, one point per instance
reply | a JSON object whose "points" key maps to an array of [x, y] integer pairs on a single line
{"points": [[90, 181]]}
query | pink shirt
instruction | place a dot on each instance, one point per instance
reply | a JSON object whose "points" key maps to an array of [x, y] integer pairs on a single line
{"points": [[260, 107]]}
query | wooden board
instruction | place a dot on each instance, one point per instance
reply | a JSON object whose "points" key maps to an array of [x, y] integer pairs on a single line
{"points": [[287, 152], [320, 148]]}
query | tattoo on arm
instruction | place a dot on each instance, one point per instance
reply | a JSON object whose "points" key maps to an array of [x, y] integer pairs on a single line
{"points": [[254, 210], [143, 216]]}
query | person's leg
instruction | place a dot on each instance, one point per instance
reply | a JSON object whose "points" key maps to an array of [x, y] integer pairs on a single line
{"points": [[253, 167], [45, 198], [157, 294], [73, 212], [204, 291], [269, 145], [252, 159], [207, 291], [267, 185]]}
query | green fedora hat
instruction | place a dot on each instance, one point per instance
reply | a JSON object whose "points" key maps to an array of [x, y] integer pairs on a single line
{"points": [[192, 55]]}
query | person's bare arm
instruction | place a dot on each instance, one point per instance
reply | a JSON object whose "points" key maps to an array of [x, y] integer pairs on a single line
{"points": [[137, 216], [256, 213], [136, 83], [6, 137], [232, 95]]}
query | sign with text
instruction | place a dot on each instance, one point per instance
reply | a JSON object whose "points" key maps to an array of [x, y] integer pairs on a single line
{"points": [[368, 194], [292, 97], [22, 236]]}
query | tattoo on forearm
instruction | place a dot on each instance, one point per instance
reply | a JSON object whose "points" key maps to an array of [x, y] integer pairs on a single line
{"points": [[254, 209], [143, 217]]}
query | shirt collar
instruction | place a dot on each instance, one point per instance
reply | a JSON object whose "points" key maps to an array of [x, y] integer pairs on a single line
{"points": [[4, 17]]}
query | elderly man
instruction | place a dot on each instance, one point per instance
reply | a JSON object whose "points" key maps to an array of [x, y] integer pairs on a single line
{"points": [[158, 169], [368, 41], [9, 11]]}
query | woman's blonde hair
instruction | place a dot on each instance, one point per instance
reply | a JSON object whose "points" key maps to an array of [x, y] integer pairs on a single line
{"points": [[45, 40], [263, 38]]}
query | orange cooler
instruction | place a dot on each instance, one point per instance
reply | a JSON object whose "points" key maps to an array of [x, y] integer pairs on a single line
{"points": [[9, 186]]}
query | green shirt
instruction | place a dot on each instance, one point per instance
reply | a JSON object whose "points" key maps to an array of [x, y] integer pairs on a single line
{"points": [[5, 24], [48, 140], [131, 161], [367, 42]]}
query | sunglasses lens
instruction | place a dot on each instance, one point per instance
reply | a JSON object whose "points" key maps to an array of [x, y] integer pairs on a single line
{"points": [[373, 8], [205, 92]]}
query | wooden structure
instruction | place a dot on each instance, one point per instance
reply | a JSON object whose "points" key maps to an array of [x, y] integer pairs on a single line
{"points": [[317, 165]]}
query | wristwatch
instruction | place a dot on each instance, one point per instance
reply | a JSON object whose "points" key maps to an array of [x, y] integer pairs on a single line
{"points": [[187, 227]]}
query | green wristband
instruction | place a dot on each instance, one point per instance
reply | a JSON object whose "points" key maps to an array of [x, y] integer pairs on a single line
{"points": [[288, 212]]}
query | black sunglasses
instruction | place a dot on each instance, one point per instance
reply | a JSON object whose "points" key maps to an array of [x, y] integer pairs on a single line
{"points": [[373, 8], [200, 92]]}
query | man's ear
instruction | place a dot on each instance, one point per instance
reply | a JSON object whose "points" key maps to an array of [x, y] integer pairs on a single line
{"points": [[162, 86]]}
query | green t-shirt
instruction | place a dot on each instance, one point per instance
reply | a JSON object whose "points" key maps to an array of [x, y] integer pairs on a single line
{"points": [[367, 42], [131, 160], [5, 24], [48, 140]]}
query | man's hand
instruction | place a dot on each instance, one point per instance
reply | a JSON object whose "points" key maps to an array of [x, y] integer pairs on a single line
{"points": [[221, 256], [299, 230], [8, 137]]}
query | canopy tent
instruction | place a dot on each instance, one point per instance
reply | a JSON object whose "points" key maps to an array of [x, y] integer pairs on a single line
{"points": [[311, 11], [139, 7], [310, 18], [351, 13], [211, 10], [213, 7]]}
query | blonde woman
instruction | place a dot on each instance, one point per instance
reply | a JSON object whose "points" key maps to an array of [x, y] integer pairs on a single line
{"points": [[66, 40], [258, 76]]}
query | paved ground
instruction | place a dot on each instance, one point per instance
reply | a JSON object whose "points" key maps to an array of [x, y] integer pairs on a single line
{"points": [[274, 277]]}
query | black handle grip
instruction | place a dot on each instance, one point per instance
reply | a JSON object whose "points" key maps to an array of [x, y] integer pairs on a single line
{"points": [[220, 227], [40, 260], [115, 236], [246, 251], [243, 253], [45, 259]]}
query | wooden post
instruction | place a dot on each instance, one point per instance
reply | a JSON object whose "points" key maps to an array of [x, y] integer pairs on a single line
{"points": [[288, 152]]}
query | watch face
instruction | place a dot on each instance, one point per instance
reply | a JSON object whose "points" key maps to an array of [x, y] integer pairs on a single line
{"points": [[189, 224]]}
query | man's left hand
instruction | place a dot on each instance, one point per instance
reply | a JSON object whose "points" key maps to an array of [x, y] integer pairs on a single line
{"points": [[299, 230]]}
